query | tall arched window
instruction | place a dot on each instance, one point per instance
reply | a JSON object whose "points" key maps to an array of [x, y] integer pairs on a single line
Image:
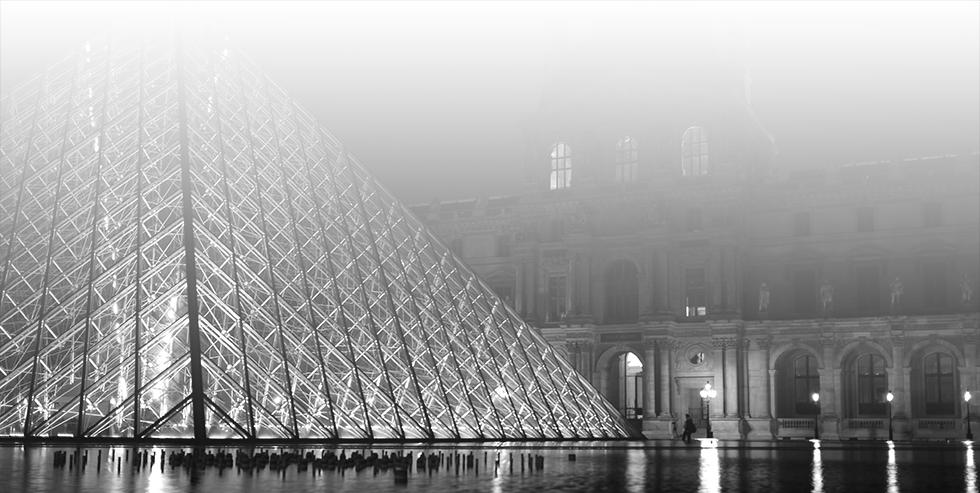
{"points": [[806, 381], [626, 160], [694, 152], [797, 378], [937, 369], [872, 385], [561, 166], [622, 292]]}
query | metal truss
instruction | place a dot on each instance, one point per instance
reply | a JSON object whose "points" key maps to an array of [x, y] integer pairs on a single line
{"points": [[186, 253]]}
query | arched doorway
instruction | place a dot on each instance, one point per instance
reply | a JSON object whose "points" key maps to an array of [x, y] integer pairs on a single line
{"points": [[624, 384]]}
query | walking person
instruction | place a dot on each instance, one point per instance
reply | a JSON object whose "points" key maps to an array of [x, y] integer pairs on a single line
{"points": [[689, 429]]}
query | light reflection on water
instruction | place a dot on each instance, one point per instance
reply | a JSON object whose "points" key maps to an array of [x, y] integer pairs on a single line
{"points": [[709, 471], [636, 470], [892, 469], [712, 467], [817, 467], [970, 471]]}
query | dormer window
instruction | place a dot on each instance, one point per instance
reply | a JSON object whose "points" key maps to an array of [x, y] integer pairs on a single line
{"points": [[626, 160], [694, 152], [561, 166]]}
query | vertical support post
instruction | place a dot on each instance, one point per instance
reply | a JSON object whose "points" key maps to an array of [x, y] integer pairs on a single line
{"points": [[650, 380], [190, 266], [731, 377]]}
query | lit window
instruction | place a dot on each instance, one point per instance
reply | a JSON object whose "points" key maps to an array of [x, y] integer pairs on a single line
{"points": [[695, 299], [561, 166], [694, 152], [557, 298], [626, 160]]}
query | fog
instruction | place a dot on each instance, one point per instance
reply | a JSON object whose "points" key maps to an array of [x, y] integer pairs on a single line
{"points": [[437, 98]]}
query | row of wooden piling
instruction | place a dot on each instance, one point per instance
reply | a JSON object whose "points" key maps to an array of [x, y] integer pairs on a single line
{"points": [[400, 463]]}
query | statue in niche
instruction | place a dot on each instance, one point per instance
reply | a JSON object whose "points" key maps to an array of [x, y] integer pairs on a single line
{"points": [[898, 289], [763, 298], [966, 290], [827, 298]]}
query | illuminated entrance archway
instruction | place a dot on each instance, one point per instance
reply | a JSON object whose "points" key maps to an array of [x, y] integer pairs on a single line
{"points": [[622, 381]]}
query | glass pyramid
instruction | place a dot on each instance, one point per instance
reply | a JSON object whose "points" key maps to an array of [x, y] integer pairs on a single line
{"points": [[186, 253]]}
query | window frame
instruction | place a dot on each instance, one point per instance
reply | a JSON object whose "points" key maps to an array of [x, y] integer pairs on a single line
{"points": [[803, 404], [557, 297], [871, 387], [698, 291], [695, 156], [560, 176], [946, 400], [626, 161]]}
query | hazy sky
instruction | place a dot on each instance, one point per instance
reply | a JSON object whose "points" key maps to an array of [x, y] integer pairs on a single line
{"points": [[434, 97]]}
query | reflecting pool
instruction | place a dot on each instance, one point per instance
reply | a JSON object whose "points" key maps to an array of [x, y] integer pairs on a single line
{"points": [[705, 466]]}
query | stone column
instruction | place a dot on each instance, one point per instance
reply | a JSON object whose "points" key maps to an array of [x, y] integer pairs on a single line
{"points": [[744, 383], [898, 378], [830, 387], [665, 284], [649, 379], [757, 412], [731, 378], [656, 287], [759, 371], [719, 403], [772, 395], [667, 348]]}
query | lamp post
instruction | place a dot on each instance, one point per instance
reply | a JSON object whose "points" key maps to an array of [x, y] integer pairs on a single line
{"points": [[708, 393], [816, 419], [966, 398], [888, 397]]}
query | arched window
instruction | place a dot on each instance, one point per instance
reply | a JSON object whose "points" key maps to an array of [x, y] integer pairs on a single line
{"points": [[797, 378], [872, 385], [694, 152], [806, 381], [622, 293], [940, 398], [561, 166], [626, 160]]}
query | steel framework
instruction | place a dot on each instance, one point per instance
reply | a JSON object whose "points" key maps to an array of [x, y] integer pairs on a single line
{"points": [[186, 253]]}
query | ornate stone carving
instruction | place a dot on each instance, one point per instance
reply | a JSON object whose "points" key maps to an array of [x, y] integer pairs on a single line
{"points": [[764, 343]]}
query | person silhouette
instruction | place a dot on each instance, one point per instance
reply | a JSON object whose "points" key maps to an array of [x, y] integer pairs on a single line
{"points": [[689, 428]]}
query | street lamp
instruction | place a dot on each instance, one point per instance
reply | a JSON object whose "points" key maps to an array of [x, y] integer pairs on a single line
{"points": [[888, 397], [708, 393], [966, 398], [816, 419]]}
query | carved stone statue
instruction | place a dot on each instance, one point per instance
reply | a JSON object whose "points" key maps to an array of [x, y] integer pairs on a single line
{"points": [[897, 290], [763, 298], [966, 290], [827, 297]]}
